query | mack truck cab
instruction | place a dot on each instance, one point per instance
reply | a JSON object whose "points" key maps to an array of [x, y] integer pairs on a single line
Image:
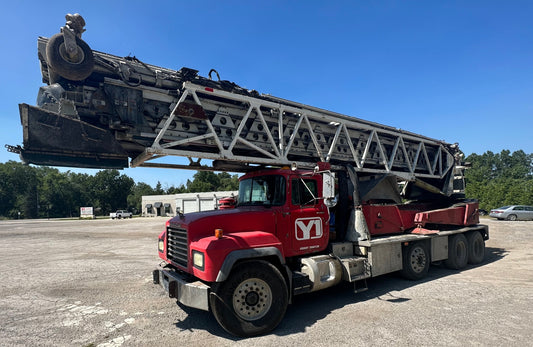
{"points": [[234, 261]]}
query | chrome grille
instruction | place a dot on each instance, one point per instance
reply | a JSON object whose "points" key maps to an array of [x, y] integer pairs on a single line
{"points": [[177, 246]]}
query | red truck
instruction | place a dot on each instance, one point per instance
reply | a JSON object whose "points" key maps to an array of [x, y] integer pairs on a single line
{"points": [[247, 263], [325, 197]]}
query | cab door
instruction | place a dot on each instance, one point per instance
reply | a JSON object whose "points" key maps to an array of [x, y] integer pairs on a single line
{"points": [[309, 217]]}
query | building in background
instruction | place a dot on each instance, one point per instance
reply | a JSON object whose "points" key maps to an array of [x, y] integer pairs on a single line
{"points": [[172, 204]]}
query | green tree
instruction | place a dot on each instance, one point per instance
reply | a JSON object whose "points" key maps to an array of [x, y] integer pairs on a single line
{"points": [[112, 190], [56, 198], [203, 181], [46, 192], [82, 186], [18, 190], [500, 179], [228, 182], [176, 190], [137, 192], [208, 181], [158, 189]]}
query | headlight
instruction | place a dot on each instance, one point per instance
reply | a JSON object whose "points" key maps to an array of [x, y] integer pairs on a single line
{"points": [[161, 246], [198, 260]]}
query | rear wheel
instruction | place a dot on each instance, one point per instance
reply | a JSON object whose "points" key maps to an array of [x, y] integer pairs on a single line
{"points": [[476, 247], [512, 217], [252, 301], [415, 261], [457, 252]]}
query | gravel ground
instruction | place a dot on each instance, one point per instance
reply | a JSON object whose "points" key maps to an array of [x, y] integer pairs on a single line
{"points": [[89, 283]]}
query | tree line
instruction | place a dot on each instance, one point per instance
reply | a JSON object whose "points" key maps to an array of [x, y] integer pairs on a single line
{"points": [[499, 179], [45, 192], [495, 179]]}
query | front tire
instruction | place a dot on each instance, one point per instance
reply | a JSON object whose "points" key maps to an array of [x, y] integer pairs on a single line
{"points": [[457, 252], [252, 301], [415, 261]]}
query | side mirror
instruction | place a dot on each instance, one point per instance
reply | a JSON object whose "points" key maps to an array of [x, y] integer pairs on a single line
{"points": [[328, 189]]}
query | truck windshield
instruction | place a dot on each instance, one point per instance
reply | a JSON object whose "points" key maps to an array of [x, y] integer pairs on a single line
{"points": [[262, 190]]}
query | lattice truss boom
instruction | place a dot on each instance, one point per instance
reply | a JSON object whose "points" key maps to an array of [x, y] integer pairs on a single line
{"points": [[213, 124]]}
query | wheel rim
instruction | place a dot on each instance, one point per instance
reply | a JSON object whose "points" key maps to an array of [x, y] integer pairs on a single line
{"points": [[418, 260], [66, 57], [252, 299]]}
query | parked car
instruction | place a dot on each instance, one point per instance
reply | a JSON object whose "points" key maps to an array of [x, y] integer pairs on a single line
{"points": [[121, 214], [513, 212]]}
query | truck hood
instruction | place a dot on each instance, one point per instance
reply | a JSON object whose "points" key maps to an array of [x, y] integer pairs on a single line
{"points": [[239, 219]]}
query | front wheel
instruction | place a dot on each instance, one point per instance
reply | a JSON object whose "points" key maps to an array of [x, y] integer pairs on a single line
{"points": [[252, 301], [415, 261]]}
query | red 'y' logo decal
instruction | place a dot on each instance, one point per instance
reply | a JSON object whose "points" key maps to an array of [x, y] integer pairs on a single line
{"points": [[308, 228]]}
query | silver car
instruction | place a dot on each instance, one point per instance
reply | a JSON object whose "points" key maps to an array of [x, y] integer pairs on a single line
{"points": [[514, 212]]}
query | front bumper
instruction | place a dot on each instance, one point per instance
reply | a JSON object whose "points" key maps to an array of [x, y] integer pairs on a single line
{"points": [[194, 294]]}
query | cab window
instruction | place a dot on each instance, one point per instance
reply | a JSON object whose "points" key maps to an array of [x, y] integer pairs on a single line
{"points": [[304, 191], [262, 190]]}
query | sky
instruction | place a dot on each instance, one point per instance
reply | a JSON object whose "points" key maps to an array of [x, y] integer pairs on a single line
{"points": [[458, 71]]}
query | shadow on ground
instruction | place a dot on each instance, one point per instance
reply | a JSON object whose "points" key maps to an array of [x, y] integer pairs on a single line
{"points": [[304, 312]]}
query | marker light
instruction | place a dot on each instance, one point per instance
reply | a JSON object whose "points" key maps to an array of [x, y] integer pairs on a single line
{"points": [[219, 233]]}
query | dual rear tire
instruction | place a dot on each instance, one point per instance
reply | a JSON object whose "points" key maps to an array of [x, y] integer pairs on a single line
{"points": [[463, 249]]}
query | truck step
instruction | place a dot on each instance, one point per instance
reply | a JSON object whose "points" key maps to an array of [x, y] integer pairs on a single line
{"points": [[355, 268], [301, 283], [360, 286]]}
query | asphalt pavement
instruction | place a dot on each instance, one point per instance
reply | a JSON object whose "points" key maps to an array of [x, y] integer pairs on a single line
{"points": [[89, 283]]}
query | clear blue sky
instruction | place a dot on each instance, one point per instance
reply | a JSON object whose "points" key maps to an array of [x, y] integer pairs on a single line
{"points": [[459, 71]]}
